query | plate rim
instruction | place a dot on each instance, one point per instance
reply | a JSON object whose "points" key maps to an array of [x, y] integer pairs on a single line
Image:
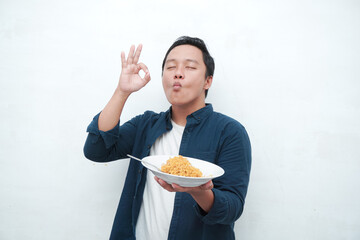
{"points": [[184, 177]]}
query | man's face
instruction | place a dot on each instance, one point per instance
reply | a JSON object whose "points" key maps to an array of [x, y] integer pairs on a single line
{"points": [[184, 76]]}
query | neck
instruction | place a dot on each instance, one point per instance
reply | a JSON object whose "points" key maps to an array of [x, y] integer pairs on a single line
{"points": [[179, 113]]}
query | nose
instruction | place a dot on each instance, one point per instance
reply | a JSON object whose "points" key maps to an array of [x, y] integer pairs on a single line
{"points": [[179, 74]]}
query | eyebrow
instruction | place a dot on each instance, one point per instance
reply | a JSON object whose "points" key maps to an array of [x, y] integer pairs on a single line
{"points": [[187, 60]]}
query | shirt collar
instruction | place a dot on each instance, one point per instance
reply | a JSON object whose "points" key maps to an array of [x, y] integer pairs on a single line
{"points": [[202, 113], [196, 116]]}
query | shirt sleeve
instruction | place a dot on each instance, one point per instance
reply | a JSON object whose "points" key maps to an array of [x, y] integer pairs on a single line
{"points": [[231, 188], [107, 146]]}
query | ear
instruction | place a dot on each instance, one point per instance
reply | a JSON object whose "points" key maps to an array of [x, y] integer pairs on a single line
{"points": [[208, 82]]}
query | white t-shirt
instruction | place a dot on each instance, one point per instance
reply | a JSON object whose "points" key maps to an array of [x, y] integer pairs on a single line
{"points": [[157, 205]]}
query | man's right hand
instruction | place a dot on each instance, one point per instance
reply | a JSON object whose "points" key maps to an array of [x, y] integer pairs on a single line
{"points": [[130, 81]]}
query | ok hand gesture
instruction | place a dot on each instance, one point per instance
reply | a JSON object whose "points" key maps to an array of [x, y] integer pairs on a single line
{"points": [[130, 80]]}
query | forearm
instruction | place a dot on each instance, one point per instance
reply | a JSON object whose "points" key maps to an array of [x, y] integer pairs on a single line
{"points": [[101, 146], [205, 199], [110, 115]]}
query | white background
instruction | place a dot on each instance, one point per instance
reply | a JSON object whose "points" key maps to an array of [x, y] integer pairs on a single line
{"points": [[289, 71]]}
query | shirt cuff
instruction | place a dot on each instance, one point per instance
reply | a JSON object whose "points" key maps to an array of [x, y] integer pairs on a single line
{"points": [[110, 137], [218, 210]]}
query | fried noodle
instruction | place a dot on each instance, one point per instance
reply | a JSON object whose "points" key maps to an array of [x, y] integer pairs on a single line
{"points": [[180, 166]]}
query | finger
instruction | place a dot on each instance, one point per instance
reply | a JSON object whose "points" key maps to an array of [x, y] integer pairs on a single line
{"points": [[143, 67], [178, 188], [165, 185], [137, 53], [147, 77], [130, 58], [123, 62], [207, 186]]}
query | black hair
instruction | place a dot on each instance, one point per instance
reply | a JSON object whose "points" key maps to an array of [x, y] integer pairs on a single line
{"points": [[200, 44]]}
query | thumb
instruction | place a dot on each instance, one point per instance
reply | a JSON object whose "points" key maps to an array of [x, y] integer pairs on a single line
{"points": [[147, 77]]}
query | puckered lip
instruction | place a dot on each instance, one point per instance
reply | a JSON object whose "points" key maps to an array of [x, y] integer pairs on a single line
{"points": [[177, 84]]}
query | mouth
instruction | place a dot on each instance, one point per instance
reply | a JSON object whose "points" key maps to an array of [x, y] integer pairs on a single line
{"points": [[177, 86]]}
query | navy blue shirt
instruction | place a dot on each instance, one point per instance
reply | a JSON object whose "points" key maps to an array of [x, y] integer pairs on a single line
{"points": [[209, 136]]}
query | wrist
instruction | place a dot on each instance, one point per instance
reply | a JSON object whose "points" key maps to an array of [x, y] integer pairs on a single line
{"points": [[200, 193], [205, 199], [122, 94]]}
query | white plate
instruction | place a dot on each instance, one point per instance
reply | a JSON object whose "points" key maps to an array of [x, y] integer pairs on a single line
{"points": [[209, 171]]}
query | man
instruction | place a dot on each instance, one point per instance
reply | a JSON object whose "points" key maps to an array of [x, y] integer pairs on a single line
{"points": [[149, 207]]}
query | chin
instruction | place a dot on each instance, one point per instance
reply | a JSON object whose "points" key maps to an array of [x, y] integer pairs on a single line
{"points": [[175, 99], [176, 103]]}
